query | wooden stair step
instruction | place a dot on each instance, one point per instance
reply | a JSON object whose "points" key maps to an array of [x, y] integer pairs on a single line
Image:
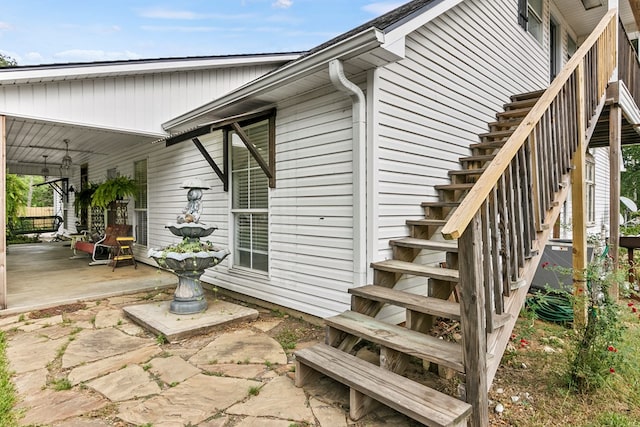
{"points": [[520, 112], [521, 103], [487, 145], [426, 222], [505, 123], [528, 95], [404, 267], [417, 401], [440, 204], [467, 172], [434, 245], [454, 187], [478, 158], [419, 303], [496, 134], [401, 339]]}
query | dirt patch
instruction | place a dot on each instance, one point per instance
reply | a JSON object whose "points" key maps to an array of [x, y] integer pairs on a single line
{"points": [[54, 311]]}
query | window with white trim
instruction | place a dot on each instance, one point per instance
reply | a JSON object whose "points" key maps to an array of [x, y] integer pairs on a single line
{"points": [[140, 205], [530, 13], [250, 198]]}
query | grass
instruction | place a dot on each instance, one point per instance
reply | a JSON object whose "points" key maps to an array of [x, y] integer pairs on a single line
{"points": [[287, 338], [7, 391], [539, 368]]}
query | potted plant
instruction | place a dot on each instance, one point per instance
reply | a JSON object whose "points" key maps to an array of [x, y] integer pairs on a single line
{"points": [[82, 198], [113, 189]]}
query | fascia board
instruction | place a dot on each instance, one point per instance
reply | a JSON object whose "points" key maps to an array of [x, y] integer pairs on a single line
{"points": [[359, 43]]}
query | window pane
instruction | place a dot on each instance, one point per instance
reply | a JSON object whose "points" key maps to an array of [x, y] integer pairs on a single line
{"points": [[536, 6], [535, 27], [140, 178], [240, 189], [259, 190], [141, 227]]}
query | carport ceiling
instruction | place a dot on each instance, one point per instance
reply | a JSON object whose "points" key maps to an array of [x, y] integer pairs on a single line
{"points": [[29, 140]]}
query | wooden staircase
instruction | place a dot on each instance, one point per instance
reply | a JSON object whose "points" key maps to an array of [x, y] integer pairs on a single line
{"points": [[499, 206], [398, 343]]}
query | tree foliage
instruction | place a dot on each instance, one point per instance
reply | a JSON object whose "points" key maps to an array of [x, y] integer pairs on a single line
{"points": [[17, 190], [7, 61], [631, 176]]}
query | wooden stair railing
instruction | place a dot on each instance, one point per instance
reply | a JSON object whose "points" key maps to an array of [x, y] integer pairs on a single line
{"points": [[491, 263], [504, 221]]}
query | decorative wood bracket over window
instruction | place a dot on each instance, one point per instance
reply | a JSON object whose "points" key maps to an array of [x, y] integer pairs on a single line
{"points": [[234, 124]]}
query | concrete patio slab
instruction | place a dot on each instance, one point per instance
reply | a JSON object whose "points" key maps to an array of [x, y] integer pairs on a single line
{"points": [[155, 317]]}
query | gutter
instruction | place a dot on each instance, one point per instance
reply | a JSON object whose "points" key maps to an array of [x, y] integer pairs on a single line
{"points": [[359, 168], [345, 49]]}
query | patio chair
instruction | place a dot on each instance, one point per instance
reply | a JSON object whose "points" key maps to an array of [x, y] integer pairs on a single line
{"points": [[106, 244]]}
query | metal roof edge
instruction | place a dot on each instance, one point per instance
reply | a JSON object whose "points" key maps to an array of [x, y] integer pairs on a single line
{"points": [[101, 69]]}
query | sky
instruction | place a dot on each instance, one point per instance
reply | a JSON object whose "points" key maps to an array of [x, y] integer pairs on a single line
{"points": [[63, 31]]}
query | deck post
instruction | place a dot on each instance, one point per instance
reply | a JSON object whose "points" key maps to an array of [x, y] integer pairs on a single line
{"points": [[3, 215], [615, 125], [473, 321], [578, 201]]}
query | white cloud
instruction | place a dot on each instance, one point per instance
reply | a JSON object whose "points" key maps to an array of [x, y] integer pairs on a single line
{"points": [[34, 57], [169, 14], [282, 4], [382, 7], [5, 26], [88, 55], [181, 29], [185, 15]]}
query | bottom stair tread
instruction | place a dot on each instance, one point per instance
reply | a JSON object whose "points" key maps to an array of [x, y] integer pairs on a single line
{"points": [[415, 400]]}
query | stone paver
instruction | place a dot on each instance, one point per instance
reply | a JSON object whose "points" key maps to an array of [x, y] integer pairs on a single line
{"points": [[279, 398], [83, 422], [266, 325], [116, 368], [328, 415], [108, 318], [195, 400], [243, 346], [172, 370], [93, 345], [30, 383], [49, 406], [98, 368], [263, 422], [216, 422], [34, 325], [128, 383], [235, 370], [20, 352]]}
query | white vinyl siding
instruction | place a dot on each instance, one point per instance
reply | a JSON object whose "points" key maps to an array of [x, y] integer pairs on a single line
{"points": [[434, 103], [132, 103]]}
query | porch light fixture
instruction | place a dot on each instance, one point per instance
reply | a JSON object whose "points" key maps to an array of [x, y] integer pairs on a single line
{"points": [[591, 4], [66, 160], [45, 170]]}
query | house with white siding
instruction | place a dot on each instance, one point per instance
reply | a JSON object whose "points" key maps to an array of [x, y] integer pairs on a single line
{"points": [[426, 153]]}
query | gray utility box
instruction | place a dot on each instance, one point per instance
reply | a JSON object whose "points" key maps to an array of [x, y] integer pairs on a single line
{"points": [[554, 271]]}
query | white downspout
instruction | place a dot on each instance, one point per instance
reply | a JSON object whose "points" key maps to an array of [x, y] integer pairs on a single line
{"points": [[359, 113]]}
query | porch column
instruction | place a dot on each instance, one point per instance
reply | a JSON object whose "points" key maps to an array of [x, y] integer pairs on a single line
{"points": [[579, 203], [615, 136], [3, 214]]}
